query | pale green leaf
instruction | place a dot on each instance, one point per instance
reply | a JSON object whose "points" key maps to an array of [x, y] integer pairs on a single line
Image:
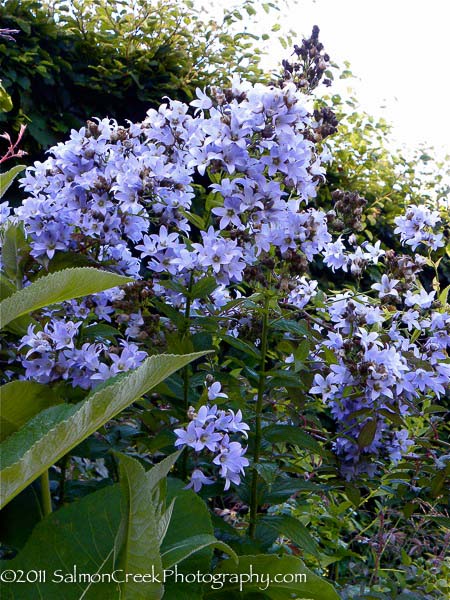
{"points": [[164, 521], [443, 296], [57, 287]]}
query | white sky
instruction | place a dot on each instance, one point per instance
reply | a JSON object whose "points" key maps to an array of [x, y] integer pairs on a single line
{"points": [[398, 49]]}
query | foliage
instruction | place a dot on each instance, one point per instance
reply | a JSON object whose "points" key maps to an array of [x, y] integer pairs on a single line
{"points": [[124, 532], [72, 61], [365, 160]]}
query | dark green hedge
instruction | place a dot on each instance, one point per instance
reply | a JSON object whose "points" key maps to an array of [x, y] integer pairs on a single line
{"points": [[68, 65]]}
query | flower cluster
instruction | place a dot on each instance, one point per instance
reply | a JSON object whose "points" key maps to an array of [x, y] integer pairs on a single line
{"points": [[417, 227], [51, 355], [210, 430], [380, 371], [302, 291], [121, 198]]}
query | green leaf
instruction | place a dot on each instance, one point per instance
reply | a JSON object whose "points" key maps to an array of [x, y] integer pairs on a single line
{"points": [[69, 260], [242, 346], [444, 521], [290, 434], [161, 470], [174, 315], [196, 220], [437, 483], [80, 534], [367, 434], [268, 471], [290, 327], [294, 530], [284, 489], [185, 547], [136, 547], [55, 431], [299, 582], [5, 101], [174, 286], [302, 352], [443, 296], [100, 331], [6, 287], [394, 417], [7, 178], [20, 401], [14, 249], [353, 494], [190, 515], [57, 287], [203, 288], [20, 516]]}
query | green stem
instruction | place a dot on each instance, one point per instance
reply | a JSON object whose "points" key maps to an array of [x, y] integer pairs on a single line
{"points": [[258, 419], [187, 313], [45, 493], [186, 408]]}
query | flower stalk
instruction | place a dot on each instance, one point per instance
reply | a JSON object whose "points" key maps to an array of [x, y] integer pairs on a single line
{"points": [[258, 419], [46, 498]]}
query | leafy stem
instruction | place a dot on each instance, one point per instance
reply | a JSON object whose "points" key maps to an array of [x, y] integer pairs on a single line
{"points": [[258, 419], [187, 313]]}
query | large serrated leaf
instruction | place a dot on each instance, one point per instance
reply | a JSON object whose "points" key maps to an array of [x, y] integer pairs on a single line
{"points": [[20, 401], [285, 577], [136, 547], [190, 515], [80, 534], [55, 431], [117, 522], [57, 287]]}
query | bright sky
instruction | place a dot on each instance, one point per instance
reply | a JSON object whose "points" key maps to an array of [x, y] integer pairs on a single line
{"points": [[398, 49]]}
